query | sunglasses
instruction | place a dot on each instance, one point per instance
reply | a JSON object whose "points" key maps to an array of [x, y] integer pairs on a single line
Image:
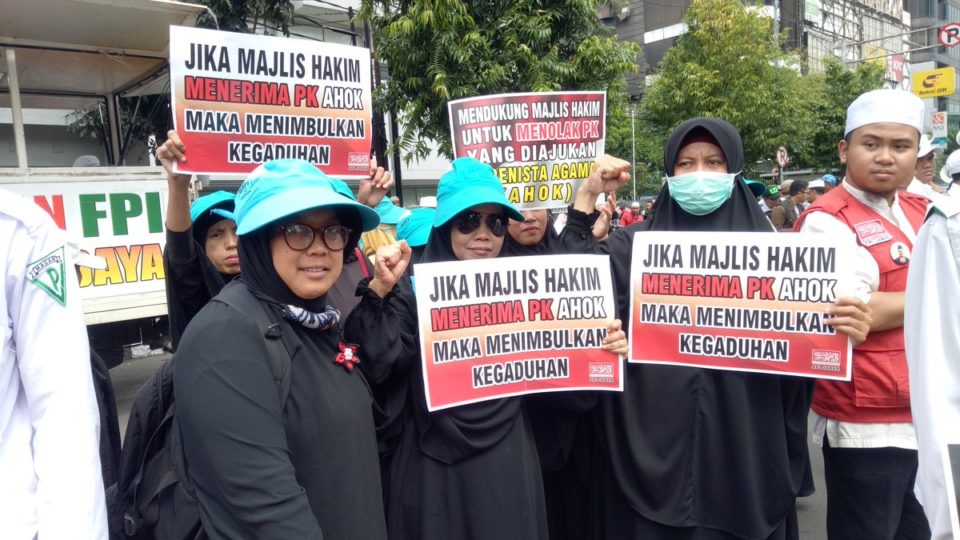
{"points": [[300, 237], [467, 222]]}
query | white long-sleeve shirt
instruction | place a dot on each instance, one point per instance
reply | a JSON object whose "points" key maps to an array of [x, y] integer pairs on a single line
{"points": [[931, 328], [50, 481], [854, 434]]}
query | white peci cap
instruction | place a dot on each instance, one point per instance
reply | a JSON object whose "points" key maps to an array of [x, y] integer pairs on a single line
{"points": [[885, 105]]}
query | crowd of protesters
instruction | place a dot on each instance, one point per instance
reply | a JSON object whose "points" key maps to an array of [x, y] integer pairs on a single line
{"points": [[351, 451]]}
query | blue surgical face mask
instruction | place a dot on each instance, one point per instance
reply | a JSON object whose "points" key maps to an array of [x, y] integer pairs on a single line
{"points": [[701, 192]]}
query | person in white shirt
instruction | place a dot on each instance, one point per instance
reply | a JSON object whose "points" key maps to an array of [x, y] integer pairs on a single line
{"points": [[930, 326], [50, 481], [922, 181], [864, 425]]}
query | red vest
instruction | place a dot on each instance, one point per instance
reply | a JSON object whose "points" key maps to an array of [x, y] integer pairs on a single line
{"points": [[879, 391]]}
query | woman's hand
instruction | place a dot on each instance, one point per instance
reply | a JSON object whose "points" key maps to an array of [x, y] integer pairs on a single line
{"points": [[851, 316], [376, 186], [616, 340], [601, 228], [170, 152], [391, 263], [608, 174]]}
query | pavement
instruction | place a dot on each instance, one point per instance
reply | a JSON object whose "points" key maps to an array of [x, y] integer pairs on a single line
{"points": [[129, 376]]}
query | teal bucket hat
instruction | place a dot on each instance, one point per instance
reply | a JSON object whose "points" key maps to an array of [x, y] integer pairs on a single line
{"points": [[756, 187], [470, 183], [285, 187], [220, 203], [390, 213], [415, 227]]}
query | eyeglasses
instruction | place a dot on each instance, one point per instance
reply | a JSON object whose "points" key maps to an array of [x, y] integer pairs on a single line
{"points": [[467, 222], [300, 237]]}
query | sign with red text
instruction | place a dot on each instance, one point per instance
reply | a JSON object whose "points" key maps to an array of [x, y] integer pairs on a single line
{"points": [[740, 301], [240, 100], [121, 221], [493, 328], [541, 145]]}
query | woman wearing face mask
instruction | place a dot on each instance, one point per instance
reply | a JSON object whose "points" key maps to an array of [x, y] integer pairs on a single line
{"points": [[307, 467], [698, 453], [470, 471]]}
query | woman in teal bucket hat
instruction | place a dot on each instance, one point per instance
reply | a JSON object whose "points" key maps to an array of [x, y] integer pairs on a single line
{"points": [[470, 471], [307, 467]]}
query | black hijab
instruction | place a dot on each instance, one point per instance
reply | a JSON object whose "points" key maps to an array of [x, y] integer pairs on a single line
{"points": [[547, 245], [739, 213], [454, 434], [677, 423], [256, 269]]}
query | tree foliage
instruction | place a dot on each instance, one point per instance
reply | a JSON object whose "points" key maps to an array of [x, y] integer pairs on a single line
{"points": [[731, 65], [249, 16], [441, 50], [841, 85]]}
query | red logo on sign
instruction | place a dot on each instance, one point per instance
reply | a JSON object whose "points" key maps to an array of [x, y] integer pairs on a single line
{"points": [[825, 360], [358, 161], [601, 372]]}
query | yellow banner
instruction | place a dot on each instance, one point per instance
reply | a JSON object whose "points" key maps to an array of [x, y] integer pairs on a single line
{"points": [[935, 83]]}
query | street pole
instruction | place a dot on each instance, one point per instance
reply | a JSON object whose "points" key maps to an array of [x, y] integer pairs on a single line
{"points": [[633, 148]]}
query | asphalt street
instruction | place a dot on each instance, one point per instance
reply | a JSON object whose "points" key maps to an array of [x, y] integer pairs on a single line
{"points": [[129, 376]]}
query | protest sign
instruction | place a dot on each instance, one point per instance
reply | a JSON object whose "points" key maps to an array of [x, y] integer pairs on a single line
{"points": [[492, 328], [739, 301], [240, 100], [541, 145]]}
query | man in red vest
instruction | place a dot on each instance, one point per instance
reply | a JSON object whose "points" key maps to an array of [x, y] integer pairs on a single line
{"points": [[864, 426]]}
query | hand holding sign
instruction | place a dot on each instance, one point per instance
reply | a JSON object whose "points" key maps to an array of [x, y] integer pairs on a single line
{"points": [[616, 340], [851, 316], [609, 173], [391, 263], [376, 186], [173, 150]]}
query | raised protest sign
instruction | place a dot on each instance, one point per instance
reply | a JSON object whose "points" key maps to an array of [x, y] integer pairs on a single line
{"points": [[739, 301], [492, 328], [541, 145], [240, 100]]}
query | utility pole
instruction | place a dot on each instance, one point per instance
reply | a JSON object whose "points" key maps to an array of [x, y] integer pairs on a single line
{"points": [[633, 149]]}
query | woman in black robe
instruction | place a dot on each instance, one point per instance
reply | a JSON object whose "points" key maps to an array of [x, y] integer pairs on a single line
{"points": [[468, 472], [695, 453], [307, 467]]}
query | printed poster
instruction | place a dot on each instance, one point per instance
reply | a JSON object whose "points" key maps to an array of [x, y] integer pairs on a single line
{"points": [[505, 327], [739, 301], [541, 145], [240, 100]]}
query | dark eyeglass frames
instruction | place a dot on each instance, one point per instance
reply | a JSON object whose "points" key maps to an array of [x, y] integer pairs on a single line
{"points": [[300, 237], [467, 222]]}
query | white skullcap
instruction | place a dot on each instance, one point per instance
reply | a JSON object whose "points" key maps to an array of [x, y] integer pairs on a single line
{"points": [[888, 106], [926, 146], [818, 183], [951, 168]]}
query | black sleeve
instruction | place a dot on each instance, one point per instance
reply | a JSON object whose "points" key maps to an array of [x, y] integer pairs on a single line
{"points": [[187, 291], [233, 434], [386, 330]]}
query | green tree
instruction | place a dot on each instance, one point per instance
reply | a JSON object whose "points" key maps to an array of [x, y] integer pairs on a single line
{"points": [[620, 141], [841, 86], [249, 16], [441, 50], [730, 65]]}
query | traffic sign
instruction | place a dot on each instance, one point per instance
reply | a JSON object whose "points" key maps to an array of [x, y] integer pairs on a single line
{"points": [[949, 35], [782, 157]]}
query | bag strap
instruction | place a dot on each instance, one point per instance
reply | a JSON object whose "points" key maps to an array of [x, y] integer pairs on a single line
{"points": [[362, 260], [236, 295]]}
